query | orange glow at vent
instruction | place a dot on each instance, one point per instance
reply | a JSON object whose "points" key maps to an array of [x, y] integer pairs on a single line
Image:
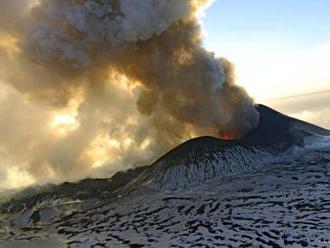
{"points": [[229, 135]]}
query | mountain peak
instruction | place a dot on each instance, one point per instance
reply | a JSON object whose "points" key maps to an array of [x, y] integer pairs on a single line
{"points": [[203, 158]]}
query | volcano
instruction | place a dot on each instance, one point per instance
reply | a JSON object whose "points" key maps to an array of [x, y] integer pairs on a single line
{"points": [[203, 158], [269, 188]]}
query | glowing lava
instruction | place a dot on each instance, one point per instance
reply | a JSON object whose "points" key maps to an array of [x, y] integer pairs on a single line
{"points": [[230, 135]]}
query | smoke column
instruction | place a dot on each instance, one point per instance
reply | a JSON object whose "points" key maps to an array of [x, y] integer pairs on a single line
{"points": [[89, 87]]}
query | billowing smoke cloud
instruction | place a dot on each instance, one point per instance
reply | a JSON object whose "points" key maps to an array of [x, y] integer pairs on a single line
{"points": [[93, 86]]}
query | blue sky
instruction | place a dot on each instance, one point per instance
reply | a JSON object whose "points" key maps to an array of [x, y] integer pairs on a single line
{"points": [[299, 22], [285, 43]]}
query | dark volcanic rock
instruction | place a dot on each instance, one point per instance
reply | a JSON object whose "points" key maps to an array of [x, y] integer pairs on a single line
{"points": [[276, 128], [204, 158], [82, 190]]}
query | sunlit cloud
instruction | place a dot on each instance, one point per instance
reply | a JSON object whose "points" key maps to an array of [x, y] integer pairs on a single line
{"points": [[16, 177], [62, 124]]}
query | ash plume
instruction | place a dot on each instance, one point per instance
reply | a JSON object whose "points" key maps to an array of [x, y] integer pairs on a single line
{"points": [[129, 78]]}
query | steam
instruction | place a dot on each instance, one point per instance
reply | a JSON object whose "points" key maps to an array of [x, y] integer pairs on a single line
{"points": [[95, 86]]}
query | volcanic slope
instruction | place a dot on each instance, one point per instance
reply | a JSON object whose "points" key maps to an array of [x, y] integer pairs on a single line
{"points": [[269, 189], [204, 158]]}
